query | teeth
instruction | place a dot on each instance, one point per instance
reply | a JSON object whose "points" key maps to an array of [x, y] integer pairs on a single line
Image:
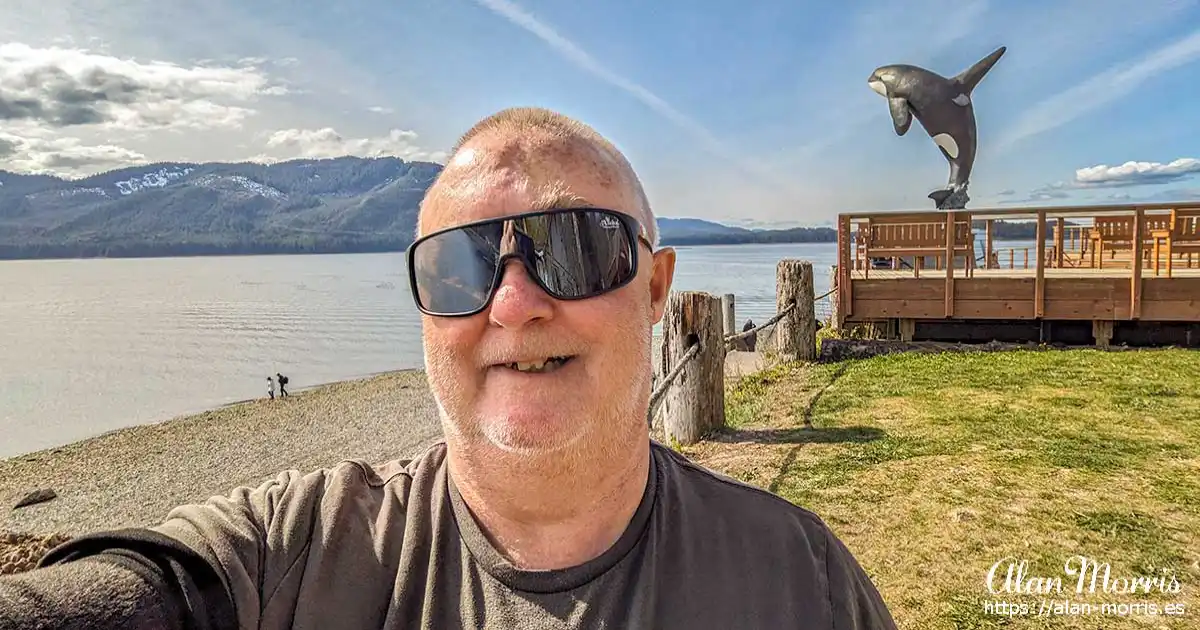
{"points": [[534, 367]]}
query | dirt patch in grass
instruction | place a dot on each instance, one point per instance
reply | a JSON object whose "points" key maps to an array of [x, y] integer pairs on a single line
{"points": [[934, 468]]}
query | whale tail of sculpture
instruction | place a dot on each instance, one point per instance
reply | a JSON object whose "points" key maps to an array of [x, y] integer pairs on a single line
{"points": [[971, 77], [950, 198]]}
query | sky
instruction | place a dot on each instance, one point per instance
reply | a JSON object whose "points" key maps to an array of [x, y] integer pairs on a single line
{"points": [[749, 113]]}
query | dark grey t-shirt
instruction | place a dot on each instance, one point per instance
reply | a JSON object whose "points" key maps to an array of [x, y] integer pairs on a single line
{"points": [[393, 546]]}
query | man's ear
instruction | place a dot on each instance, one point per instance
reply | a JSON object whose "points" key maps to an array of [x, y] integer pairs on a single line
{"points": [[661, 276]]}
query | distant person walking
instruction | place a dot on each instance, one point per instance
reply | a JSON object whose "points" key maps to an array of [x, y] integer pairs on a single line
{"points": [[283, 381], [751, 340], [271, 387]]}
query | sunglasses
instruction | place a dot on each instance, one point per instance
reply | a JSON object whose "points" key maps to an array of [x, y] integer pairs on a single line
{"points": [[572, 254]]}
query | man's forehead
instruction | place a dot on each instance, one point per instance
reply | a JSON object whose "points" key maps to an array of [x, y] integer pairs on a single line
{"points": [[535, 154], [485, 181]]}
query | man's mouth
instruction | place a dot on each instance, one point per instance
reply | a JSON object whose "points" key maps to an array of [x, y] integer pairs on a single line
{"points": [[538, 366]]}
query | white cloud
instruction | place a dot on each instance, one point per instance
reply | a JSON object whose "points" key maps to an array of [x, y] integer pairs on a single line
{"points": [[73, 112], [1136, 173], [1099, 90], [64, 87], [1125, 175], [62, 155], [327, 142]]}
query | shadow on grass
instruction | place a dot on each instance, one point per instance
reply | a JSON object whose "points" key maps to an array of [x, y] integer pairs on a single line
{"points": [[803, 435], [809, 435], [812, 402]]}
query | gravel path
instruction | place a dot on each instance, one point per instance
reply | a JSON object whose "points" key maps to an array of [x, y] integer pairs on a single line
{"points": [[134, 476]]}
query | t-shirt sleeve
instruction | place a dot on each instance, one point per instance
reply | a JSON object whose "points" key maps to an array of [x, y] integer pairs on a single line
{"points": [[128, 578], [99, 592], [257, 538], [855, 603], [215, 564]]}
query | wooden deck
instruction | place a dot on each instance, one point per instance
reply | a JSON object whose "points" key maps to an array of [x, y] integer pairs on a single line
{"points": [[1103, 264]]}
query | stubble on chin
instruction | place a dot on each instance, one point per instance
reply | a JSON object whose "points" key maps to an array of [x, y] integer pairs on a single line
{"points": [[602, 428], [582, 433]]}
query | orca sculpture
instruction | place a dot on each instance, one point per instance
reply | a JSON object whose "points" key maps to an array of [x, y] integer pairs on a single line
{"points": [[943, 107]]}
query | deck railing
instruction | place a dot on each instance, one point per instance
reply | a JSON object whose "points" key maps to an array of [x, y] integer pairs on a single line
{"points": [[1110, 237]]}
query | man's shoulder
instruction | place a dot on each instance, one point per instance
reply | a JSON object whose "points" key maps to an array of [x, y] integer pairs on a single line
{"points": [[395, 477], [737, 504], [298, 493]]}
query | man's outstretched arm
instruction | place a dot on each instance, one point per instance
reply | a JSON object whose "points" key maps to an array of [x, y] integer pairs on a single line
{"points": [[124, 579], [92, 593]]}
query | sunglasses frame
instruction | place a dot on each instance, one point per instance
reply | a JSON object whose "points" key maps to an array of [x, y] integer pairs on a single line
{"points": [[629, 223]]}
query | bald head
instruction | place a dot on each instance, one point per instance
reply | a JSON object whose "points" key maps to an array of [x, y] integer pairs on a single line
{"points": [[552, 159]]}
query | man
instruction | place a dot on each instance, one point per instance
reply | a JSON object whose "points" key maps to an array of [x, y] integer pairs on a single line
{"points": [[546, 505]]}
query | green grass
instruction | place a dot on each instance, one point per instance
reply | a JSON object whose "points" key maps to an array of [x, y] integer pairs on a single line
{"points": [[934, 466]]}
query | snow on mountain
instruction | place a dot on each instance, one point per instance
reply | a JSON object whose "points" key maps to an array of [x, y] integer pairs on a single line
{"points": [[153, 179], [228, 182], [67, 193]]}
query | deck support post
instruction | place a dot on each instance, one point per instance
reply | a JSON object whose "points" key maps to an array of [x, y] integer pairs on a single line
{"points": [[1039, 285], [987, 239], [908, 328], [1102, 331], [1135, 281], [950, 217], [1060, 226]]}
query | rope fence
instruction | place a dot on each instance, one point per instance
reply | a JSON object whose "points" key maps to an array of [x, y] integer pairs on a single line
{"points": [[656, 397], [729, 339], [690, 378]]}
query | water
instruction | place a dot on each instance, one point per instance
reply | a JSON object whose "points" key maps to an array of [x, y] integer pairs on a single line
{"points": [[89, 346]]}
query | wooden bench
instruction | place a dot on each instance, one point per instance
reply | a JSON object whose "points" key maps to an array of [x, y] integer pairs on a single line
{"points": [[1113, 234], [899, 236], [1181, 233]]}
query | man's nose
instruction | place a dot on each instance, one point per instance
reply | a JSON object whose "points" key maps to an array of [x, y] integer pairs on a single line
{"points": [[519, 300]]}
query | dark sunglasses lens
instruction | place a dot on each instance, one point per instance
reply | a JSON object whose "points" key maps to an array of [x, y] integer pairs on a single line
{"points": [[575, 254], [454, 270]]}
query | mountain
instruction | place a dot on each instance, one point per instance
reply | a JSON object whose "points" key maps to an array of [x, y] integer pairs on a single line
{"points": [[683, 231], [345, 204], [686, 228], [340, 204]]}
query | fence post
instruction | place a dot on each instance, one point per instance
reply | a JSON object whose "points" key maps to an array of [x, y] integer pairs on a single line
{"points": [[835, 299], [694, 403], [796, 334], [727, 313]]}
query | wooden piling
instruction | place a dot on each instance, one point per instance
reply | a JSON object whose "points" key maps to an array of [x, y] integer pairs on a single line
{"points": [[727, 313], [835, 300], [795, 334], [694, 404]]}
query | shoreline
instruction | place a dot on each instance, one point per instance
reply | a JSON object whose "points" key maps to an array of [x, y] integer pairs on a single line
{"points": [[301, 390], [134, 475], [739, 364], [236, 443]]}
